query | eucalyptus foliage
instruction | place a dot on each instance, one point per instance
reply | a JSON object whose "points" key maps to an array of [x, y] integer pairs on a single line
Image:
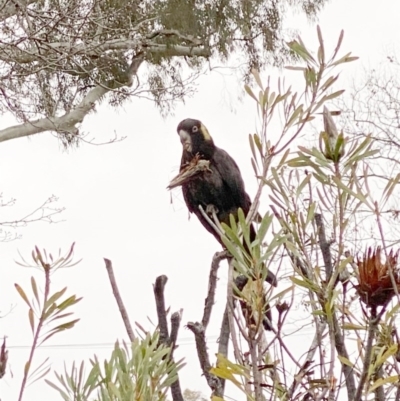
{"points": [[57, 56]]}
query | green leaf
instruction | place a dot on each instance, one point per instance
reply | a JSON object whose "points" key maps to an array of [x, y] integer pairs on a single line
{"points": [[345, 361], [257, 78], [328, 83], [293, 68], [300, 50], [321, 50], [305, 182], [31, 320], [35, 290], [55, 387], [264, 226], [253, 150], [353, 326], [244, 226], [344, 59], [41, 375], [382, 381], [295, 115], [250, 92], [310, 213], [339, 43], [22, 294], [72, 300], [333, 95], [231, 248], [54, 298], [258, 143]]}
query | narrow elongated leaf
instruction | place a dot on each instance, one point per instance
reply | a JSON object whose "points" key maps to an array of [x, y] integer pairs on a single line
{"points": [[31, 316], [333, 95], [294, 68], [390, 186], [345, 361], [257, 78], [35, 290], [382, 381], [22, 294], [55, 387], [296, 114], [54, 298], [72, 300], [250, 92], [339, 43]]}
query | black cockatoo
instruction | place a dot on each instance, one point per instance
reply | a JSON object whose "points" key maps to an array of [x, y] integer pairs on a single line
{"points": [[223, 188]]}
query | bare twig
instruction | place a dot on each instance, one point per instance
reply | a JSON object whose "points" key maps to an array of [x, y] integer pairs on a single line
{"points": [[120, 303], [316, 342]]}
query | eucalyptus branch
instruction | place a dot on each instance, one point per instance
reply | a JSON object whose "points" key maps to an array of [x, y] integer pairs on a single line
{"points": [[67, 122]]}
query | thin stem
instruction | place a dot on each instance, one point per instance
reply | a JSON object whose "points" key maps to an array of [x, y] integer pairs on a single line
{"points": [[36, 336], [258, 395], [373, 324]]}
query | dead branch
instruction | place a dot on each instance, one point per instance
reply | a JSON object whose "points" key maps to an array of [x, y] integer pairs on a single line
{"points": [[176, 318], [165, 339], [158, 288], [212, 284], [213, 381], [117, 296]]}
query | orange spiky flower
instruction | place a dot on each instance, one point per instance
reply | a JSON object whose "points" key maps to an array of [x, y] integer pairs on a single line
{"points": [[375, 284]]}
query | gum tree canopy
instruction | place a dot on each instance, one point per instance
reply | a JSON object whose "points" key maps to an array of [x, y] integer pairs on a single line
{"points": [[59, 57]]}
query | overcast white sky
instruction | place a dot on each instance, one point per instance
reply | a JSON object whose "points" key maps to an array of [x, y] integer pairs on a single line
{"points": [[117, 207]]}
